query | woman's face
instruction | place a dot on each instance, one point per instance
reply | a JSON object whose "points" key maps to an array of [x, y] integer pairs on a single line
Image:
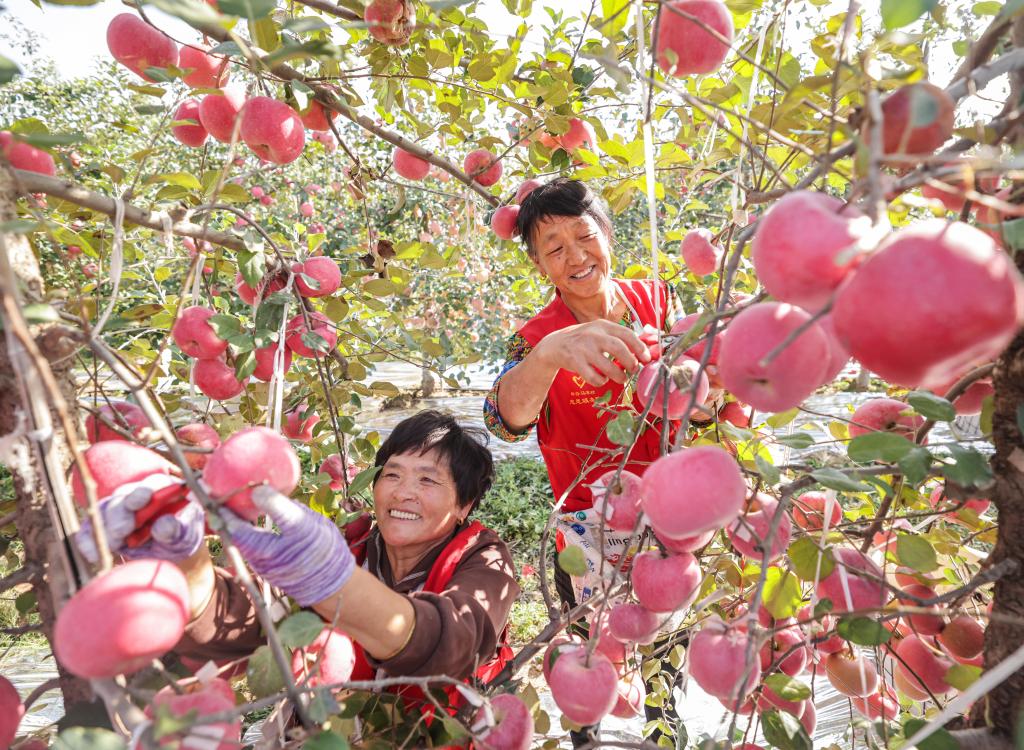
{"points": [[572, 251], [416, 502]]}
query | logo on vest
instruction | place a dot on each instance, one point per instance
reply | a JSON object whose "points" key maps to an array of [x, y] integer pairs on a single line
{"points": [[582, 395], [580, 382]]}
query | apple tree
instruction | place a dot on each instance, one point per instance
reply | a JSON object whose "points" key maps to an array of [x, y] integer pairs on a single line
{"points": [[211, 242]]}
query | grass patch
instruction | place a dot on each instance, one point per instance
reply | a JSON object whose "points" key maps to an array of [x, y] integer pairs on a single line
{"points": [[517, 509]]}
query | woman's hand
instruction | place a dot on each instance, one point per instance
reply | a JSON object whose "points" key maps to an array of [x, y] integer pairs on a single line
{"points": [[307, 558], [172, 536], [597, 351]]}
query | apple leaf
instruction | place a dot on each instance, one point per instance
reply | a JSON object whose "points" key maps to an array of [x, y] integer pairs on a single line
{"points": [[962, 676], [915, 552], [834, 479], [897, 13], [572, 561], [878, 446], [783, 730], [939, 740], [88, 738], [622, 429], [931, 406], [782, 593], [971, 468], [300, 629], [915, 464], [809, 562], [863, 631], [788, 688], [263, 676], [796, 440]]}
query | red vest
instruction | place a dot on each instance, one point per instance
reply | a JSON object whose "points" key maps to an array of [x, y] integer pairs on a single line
{"points": [[568, 419], [441, 573]]}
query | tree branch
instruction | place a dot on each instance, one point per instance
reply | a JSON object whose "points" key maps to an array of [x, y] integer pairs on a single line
{"points": [[33, 182], [331, 8]]}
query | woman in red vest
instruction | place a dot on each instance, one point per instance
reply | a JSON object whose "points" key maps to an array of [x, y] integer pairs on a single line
{"points": [[430, 594], [568, 368]]}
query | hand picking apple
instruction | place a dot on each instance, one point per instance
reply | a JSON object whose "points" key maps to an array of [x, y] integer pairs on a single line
{"points": [[174, 533], [307, 558]]}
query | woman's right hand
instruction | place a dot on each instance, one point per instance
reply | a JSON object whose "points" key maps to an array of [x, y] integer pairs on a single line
{"points": [[598, 351]]}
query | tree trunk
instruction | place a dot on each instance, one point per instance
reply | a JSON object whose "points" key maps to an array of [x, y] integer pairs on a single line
{"points": [[37, 521]]}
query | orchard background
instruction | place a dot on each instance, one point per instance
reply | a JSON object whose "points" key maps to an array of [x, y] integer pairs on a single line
{"points": [[141, 215]]}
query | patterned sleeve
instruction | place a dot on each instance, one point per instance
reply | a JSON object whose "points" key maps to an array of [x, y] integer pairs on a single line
{"points": [[516, 351]]}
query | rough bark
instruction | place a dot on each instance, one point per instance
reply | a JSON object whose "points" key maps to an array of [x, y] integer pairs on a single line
{"points": [[36, 522]]}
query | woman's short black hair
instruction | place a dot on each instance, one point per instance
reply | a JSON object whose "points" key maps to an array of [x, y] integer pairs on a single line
{"points": [[560, 197], [464, 448]]}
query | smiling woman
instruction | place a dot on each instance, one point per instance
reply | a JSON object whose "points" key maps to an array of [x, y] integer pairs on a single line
{"points": [[433, 591]]}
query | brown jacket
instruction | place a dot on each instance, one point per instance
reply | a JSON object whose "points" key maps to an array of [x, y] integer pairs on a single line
{"points": [[455, 630]]}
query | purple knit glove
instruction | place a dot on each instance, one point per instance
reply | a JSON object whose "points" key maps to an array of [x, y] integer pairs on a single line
{"points": [[307, 558], [173, 536]]}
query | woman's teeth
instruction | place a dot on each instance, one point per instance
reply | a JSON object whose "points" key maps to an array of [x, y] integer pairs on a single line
{"points": [[403, 515]]}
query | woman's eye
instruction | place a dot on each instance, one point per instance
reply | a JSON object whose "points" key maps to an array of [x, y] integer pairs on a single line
{"points": [[556, 250], [427, 480]]}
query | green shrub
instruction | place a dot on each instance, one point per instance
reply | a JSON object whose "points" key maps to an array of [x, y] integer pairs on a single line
{"points": [[518, 505]]}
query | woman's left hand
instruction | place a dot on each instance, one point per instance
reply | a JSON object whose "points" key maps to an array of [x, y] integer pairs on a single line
{"points": [[307, 558]]}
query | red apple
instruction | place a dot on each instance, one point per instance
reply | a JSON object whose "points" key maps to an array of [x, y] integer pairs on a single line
{"points": [[250, 457], [920, 664], [195, 336], [11, 711], [122, 620], [686, 47], [217, 380], [138, 46], [791, 376], [482, 166], [264, 289], [698, 251], [854, 584], [580, 133], [272, 130], [810, 509], [197, 435], [885, 415], [323, 270], [633, 623], [23, 156], [880, 705], [749, 532], [782, 645], [916, 119], [218, 112], [631, 696], [265, 362], [317, 117], [512, 728], [665, 583], [679, 379], [797, 245], [391, 21], [113, 463], [503, 221], [328, 660], [718, 660], [692, 491], [934, 340], [409, 166], [923, 624], [851, 674], [526, 188], [299, 424], [128, 417], [963, 637], [585, 689], [735, 413], [201, 700], [322, 326], [619, 501], [207, 71], [189, 135]]}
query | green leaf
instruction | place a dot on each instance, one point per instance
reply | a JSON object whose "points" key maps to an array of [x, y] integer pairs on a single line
{"points": [[572, 561], [362, 480], [8, 69], [809, 562], [783, 730], [915, 552], [622, 429], [971, 468], [181, 179], [192, 12], [931, 406], [796, 440], [878, 446], [837, 480], [782, 593], [245, 363], [88, 738], [265, 34], [40, 312], [863, 631], [915, 465], [788, 688], [940, 740], [767, 470], [326, 741], [616, 14], [962, 676], [782, 418], [252, 266], [225, 325], [263, 676], [897, 13], [300, 629], [254, 9]]}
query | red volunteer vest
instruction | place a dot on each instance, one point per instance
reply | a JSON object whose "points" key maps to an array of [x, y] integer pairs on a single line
{"points": [[569, 424], [440, 574]]}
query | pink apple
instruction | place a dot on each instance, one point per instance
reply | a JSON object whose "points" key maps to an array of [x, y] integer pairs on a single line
{"points": [[665, 583], [189, 135], [272, 130], [195, 336], [409, 166], [252, 456], [512, 728], [699, 254], [322, 326], [526, 188], [23, 156], [718, 660], [265, 362], [482, 166], [618, 499], [138, 46], [854, 584], [585, 689], [299, 424], [197, 435], [580, 133], [885, 415], [934, 340], [217, 379], [208, 71], [218, 112], [686, 47], [503, 221], [748, 534], [692, 491], [128, 417], [113, 463], [791, 376], [633, 623], [323, 270]]}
